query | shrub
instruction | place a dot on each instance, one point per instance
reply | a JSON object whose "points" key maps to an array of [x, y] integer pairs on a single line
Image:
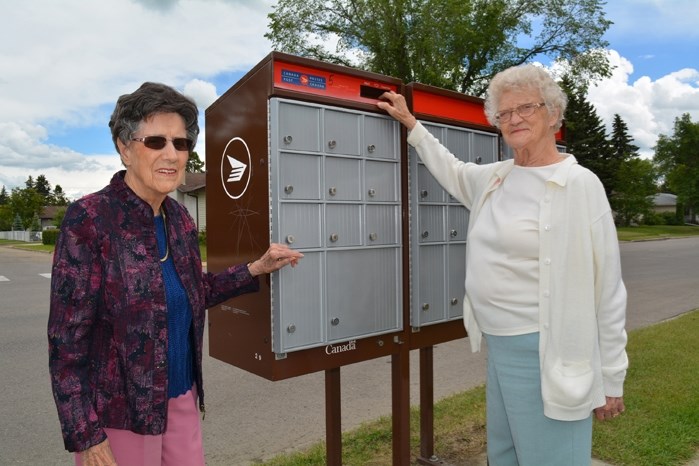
{"points": [[50, 236], [202, 237]]}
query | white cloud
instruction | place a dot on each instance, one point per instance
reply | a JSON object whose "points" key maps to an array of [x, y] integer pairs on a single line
{"points": [[58, 59], [203, 93], [91, 174], [648, 107]]}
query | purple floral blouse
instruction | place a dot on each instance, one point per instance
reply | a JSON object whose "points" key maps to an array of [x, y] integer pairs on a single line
{"points": [[107, 328]]}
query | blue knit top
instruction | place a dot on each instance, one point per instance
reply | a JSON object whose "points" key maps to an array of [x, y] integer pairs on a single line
{"points": [[180, 359]]}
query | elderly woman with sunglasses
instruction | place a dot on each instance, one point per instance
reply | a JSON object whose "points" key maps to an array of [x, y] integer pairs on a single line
{"points": [[128, 297], [543, 276]]}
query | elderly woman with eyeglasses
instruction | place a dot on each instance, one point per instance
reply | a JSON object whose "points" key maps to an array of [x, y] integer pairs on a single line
{"points": [[543, 276], [128, 297]]}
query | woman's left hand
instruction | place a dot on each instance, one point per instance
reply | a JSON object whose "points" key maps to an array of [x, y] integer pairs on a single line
{"points": [[613, 408], [276, 257]]}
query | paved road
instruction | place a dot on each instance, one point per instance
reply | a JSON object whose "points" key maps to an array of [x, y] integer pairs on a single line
{"points": [[251, 418]]}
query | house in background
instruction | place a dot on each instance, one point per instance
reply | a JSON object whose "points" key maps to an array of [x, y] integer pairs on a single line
{"points": [[48, 214], [192, 194], [664, 202]]}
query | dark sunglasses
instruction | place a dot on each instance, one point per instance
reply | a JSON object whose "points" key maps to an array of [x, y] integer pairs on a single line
{"points": [[158, 142]]}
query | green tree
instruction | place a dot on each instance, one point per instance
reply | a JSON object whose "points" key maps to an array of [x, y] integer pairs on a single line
{"points": [[677, 159], [59, 197], [5, 217], [24, 204], [453, 44], [586, 137], [42, 186], [58, 218], [635, 186], [4, 197], [194, 163]]}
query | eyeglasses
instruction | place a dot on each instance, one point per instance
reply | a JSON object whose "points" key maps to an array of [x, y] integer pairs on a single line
{"points": [[524, 111], [158, 142]]}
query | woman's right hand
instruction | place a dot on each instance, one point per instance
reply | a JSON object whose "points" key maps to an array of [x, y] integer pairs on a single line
{"points": [[98, 455], [396, 106]]}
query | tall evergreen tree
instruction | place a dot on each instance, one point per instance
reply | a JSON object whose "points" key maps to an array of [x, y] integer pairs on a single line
{"points": [[4, 197], [586, 137], [42, 186], [59, 197]]}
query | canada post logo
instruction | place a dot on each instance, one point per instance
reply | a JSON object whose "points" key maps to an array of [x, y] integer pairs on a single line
{"points": [[236, 168], [303, 79]]}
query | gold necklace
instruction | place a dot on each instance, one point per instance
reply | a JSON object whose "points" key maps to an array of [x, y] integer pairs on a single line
{"points": [[167, 246]]}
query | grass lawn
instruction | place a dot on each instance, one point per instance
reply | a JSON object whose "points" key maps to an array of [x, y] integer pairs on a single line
{"points": [[645, 232], [659, 427]]}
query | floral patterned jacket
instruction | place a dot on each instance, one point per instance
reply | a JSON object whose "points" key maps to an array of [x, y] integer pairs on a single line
{"points": [[107, 328]]}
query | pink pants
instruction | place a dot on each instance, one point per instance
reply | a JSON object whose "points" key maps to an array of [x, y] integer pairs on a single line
{"points": [[180, 444]]}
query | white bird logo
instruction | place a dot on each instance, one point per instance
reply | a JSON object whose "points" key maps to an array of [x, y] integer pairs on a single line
{"points": [[237, 169]]}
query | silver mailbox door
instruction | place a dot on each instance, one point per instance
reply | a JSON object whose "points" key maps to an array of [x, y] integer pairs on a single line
{"points": [[299, 176], [381, 182], [341, 131], [300, 225], [429, 306], [457, 222], [382, 225], [342, 179], [485, 149], [428, 189], [301, 323], [456, 260], [299, 127], [432, 224], [363, 289], [458, 141], [380, 137], [343, 225]]}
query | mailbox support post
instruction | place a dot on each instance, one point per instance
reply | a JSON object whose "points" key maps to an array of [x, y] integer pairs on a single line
{"points": [[333, 418], [400, 375], [426, 405]]}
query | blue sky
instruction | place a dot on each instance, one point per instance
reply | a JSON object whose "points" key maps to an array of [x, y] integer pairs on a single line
{"points": [[64, 64]]}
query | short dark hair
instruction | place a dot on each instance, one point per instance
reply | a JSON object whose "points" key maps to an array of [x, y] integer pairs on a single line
{"points": [[148, 100]]}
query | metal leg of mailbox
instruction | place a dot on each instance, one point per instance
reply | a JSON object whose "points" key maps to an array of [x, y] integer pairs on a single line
{"points": [[427, 455], [400, 374], [333, 418]]}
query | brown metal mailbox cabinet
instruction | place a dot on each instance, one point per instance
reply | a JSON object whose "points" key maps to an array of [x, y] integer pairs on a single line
{"points": [[438, 222], [297, 153]]}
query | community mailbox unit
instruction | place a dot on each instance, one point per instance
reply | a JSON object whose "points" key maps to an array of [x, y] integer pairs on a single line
{"points": [[439, 223], [298, 153]]}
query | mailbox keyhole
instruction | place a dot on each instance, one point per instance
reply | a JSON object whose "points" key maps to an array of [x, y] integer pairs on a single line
{"points": [[335, 321]]}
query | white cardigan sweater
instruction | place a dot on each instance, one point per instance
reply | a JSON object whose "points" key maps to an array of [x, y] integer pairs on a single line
{"points": [[582, 297]]}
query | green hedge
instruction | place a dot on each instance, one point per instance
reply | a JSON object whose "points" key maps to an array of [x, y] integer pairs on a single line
{"points": [[49, 236]]}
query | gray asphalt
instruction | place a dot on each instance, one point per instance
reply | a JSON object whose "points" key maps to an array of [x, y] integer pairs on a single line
{"points": [[249, 418]]}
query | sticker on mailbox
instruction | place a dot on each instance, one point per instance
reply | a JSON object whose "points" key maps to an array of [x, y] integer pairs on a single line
{"points": [[236, 168]]}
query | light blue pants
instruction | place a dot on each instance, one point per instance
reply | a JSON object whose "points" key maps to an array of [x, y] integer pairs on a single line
{"points": [[518, 432]]}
